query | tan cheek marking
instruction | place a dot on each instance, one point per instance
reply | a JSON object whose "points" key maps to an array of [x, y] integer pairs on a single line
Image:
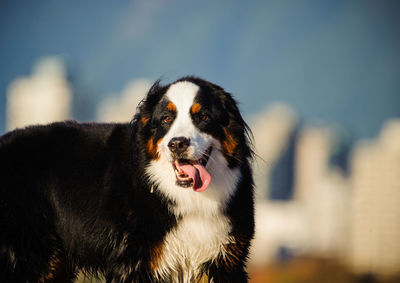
{"points": [[153, 149], [229, 144], [171, 107], [196, 108]]}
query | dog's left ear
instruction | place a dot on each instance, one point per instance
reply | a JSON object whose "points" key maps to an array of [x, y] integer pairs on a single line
{"points": [[237, 126], [230, 106]]}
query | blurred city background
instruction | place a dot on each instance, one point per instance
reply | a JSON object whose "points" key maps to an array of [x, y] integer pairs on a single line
{"points": [[318, 82]]}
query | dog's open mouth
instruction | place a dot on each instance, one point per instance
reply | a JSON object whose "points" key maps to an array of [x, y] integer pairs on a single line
{"points": [[193, 173]]}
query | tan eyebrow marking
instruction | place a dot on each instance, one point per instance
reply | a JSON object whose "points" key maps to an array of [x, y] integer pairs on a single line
{"points": [[196, 108], [171, 106]]}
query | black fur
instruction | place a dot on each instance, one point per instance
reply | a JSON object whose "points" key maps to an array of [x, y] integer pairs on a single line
{"points": [[74, 197]]}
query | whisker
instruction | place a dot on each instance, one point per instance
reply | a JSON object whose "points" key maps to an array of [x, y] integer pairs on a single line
{"points": [[230, 155], [254, 153], [259, 157]]}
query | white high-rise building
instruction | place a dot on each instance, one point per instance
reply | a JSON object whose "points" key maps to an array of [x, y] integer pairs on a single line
{"points": [[278, 223], [322, 192], [42, 98], [375, 223], [271, 129]]}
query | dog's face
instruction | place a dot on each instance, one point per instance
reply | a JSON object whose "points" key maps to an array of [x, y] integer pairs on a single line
{"points": [[194, 137]]}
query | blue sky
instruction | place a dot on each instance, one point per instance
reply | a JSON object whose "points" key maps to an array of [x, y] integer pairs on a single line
{"points": [[335, 61]]}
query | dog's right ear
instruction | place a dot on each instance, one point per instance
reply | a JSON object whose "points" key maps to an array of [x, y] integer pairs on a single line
{"points": [[146, 106]]}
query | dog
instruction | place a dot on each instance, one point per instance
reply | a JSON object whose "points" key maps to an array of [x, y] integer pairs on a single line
{"points": [[167, 197]]}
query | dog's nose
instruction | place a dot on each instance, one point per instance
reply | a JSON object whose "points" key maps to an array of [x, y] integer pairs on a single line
{"points": [[178, 145]]}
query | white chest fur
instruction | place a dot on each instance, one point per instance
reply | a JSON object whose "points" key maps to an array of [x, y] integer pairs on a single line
{"points": [[196, 240], [203, 230]]}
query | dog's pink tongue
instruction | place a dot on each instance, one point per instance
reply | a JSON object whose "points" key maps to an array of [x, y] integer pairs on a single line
{"points": [[199, 174]]}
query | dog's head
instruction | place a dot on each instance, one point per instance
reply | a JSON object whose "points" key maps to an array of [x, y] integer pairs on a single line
{"points": [[193, 133]]}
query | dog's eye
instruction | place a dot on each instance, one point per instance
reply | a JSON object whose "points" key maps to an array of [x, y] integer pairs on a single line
{"points": [[167, 119], [204, 117]]}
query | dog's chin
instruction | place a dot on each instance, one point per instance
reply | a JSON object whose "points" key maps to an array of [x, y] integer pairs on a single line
{"points": [[192, 172]]}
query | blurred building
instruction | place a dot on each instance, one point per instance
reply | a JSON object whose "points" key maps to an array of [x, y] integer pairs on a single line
{"points": [[280, 226], [375, 223], [352, 218], [314, 220], [282, 175], [272, 129], [121, 108], [280, 223], [322, 191], [41, 98]]}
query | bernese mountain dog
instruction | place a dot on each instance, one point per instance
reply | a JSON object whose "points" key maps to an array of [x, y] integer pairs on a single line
{"points": [[165, 198]]}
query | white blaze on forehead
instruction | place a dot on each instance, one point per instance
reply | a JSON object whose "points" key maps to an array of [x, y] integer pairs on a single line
{"points": [[182, 94]]}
